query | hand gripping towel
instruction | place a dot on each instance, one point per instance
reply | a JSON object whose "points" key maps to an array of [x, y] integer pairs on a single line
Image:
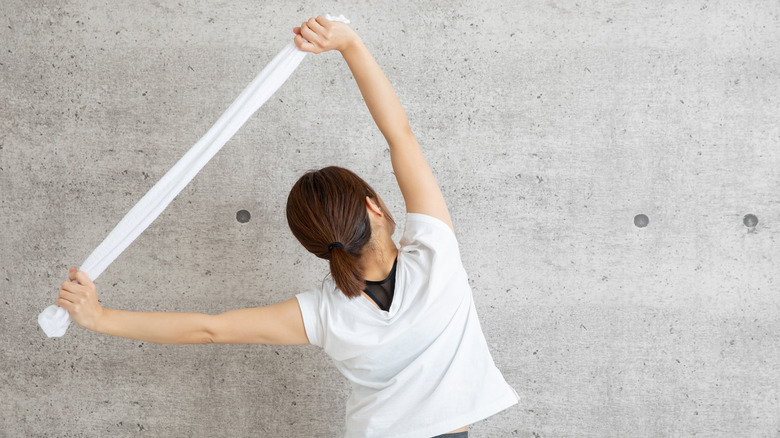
{"points": [[55, 320]]}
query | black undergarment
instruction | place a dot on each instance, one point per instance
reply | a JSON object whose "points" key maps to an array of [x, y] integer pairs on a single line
{"points": [[382, 291]]}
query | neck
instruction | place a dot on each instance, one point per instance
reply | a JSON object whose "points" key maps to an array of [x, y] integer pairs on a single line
{"points": [[377, 261]]}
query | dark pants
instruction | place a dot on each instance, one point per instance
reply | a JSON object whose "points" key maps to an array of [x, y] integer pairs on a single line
{"points": [[454, 435]]}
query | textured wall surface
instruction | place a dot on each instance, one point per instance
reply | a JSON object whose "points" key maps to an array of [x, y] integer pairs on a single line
{"points": [[550, 126]]}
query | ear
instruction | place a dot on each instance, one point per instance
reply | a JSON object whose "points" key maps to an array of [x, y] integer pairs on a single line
{"points": [[373, 207]]}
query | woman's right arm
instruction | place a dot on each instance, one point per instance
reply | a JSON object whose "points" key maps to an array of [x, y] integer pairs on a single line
{"points": [[418, 186], [278, 324]]}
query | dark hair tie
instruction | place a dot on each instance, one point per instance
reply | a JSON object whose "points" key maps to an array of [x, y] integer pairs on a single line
{"points": [[335, 244]]}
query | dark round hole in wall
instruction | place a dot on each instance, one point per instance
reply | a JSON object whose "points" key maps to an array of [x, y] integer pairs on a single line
{"points": [[243, 216], [641, 220], [750, 220]]}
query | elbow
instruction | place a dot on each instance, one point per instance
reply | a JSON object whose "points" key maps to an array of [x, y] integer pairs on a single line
{"points": [[405, 129], [207, 338], [402, 135], [209, 332]]}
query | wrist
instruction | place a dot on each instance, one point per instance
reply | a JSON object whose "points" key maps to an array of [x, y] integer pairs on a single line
{"points": [[98, 322], [350, 45]]}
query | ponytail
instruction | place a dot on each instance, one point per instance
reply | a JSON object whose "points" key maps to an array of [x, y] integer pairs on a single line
{"points": [[346, 272], [326, 212]]}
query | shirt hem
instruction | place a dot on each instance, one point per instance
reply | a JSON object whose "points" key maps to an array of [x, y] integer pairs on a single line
{"points": [[451, 424]]}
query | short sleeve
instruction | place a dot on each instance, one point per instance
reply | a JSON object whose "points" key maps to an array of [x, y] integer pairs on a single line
{"points": [[309, 302], [429, 232]]}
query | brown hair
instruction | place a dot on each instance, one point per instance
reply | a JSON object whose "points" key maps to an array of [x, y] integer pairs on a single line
{"points": [[327, 206]]}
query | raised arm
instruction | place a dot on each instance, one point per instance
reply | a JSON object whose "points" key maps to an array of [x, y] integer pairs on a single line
{"points": [[418, 186], [279, 324]]}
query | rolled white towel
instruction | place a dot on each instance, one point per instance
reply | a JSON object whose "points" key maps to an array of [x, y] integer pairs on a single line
{"points": [[55, 320]]}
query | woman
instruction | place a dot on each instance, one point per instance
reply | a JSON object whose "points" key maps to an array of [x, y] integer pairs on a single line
{"points": [[400, 324]]}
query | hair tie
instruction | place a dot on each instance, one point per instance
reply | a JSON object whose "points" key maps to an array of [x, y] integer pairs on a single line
{"points": [[335, 244]]}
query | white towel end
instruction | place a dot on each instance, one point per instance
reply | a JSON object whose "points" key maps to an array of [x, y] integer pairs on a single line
{"points": [[54, 321]]}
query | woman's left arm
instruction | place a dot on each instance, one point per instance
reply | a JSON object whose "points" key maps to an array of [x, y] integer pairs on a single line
{"points": [[279, 324]]}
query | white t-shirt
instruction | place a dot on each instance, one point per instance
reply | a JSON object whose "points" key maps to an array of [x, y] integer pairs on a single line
{"points": [[422, 368]]}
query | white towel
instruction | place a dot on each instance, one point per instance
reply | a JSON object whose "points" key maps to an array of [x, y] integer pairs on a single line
{"points": [[55, 320]]}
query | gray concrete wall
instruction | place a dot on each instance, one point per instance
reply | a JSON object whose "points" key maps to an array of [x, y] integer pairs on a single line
{"points": [[550, 126]]}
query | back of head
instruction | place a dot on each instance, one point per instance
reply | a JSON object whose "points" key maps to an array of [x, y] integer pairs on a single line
{"points": [[328, 206]]}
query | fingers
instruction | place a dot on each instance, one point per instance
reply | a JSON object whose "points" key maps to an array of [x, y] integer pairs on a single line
{"points": [[66, 292], [70, 290], [321, 35], [314, 31], [79, 286], [309, 34], [69, 286], [83, 278], [65, 304], [79, 297], [79, 277], [315, 25], [303, 44], [72, 294], [67, 296], [324, 22]]}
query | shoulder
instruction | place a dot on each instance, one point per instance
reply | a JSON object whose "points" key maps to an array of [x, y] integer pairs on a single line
{"points": [[424, 231], [322, 297], [316, 306], [428, 246]]}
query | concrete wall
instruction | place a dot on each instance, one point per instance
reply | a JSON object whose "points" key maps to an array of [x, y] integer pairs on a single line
{"points": [[550, 126]]}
